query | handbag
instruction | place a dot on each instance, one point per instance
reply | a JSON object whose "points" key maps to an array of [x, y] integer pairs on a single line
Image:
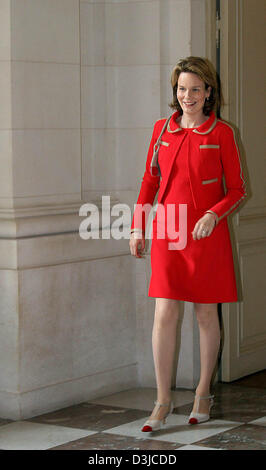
{"points": [[154, 166]]}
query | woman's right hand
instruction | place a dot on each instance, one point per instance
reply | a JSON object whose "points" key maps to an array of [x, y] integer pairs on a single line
{"points": [[137, 244]]}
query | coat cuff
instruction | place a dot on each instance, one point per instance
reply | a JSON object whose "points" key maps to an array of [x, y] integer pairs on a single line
{"points": [[137, 230], [215, 216]]}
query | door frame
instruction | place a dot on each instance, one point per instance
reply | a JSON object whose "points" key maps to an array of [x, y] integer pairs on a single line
{"points": [[225, 29], [241, 355]]}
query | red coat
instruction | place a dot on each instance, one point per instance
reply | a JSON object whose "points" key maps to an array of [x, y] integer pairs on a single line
{"points": [[203, 269], [215, 154]]}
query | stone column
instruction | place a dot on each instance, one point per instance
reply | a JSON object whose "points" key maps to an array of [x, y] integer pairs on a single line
{"points": [[82, 83], [67, 305]]}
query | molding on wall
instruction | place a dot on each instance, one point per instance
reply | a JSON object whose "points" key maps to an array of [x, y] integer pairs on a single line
{"points": [[75, 390], [49, 219]]}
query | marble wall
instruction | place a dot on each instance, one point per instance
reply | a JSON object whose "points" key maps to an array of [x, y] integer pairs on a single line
{"points": [[81, 85]]}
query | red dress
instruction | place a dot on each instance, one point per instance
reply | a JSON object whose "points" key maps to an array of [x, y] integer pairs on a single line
{"points": [[193, 163], [202, 271]]}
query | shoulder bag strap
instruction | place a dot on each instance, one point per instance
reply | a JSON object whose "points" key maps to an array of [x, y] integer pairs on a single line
{"points": [[154, 166]]}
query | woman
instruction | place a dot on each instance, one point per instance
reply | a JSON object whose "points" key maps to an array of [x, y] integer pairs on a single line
{"points": [[196, 150]]}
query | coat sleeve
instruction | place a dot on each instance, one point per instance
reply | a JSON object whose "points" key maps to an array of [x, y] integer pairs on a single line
{"points": [[233, 173], [149, 187]]}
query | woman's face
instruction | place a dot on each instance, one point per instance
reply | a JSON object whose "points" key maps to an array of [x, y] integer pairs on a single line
{"points": [[191, 93]]}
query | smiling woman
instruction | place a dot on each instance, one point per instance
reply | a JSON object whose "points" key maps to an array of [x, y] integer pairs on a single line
{"points": [[196, 265], [193, 80], [191, 94]]}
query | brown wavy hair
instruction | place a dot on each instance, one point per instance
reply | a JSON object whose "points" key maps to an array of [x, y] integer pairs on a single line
{"points": [[204, 69]]}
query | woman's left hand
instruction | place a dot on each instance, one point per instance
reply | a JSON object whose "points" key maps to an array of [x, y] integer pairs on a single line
{"points": [[204, 227]]}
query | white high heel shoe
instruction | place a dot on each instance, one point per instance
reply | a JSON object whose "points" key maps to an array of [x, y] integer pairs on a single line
{"points": [[195, 417], [156, 424]]}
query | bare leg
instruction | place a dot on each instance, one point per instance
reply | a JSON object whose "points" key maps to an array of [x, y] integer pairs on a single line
{"points": [[209, 329], [164, 344]]}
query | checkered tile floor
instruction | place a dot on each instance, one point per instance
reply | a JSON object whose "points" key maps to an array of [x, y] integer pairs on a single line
{"points": [[238, 421]]}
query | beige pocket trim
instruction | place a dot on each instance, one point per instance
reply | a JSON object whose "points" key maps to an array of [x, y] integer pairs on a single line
{"points": [[209, 146], [165, 143], [209, 181]]}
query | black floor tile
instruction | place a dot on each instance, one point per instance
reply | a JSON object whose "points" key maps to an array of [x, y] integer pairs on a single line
{"points": [[107, 441], [90, 416], [245, 437]]}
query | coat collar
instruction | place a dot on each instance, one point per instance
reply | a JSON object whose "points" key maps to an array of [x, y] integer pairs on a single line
{"points": [[204, 128]]}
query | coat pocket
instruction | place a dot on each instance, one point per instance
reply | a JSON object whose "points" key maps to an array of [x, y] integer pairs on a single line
{"points": [[209, 146], [213, 180], [209, 161]]}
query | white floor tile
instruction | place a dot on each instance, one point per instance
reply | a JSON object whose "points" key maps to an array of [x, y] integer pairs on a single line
{"points": [[24, 435], [176, 429], [143, 398], [259, 421]]}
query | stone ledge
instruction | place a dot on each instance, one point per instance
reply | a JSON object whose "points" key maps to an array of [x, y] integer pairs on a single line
{"points": [[55, 249], [28, 404]]}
